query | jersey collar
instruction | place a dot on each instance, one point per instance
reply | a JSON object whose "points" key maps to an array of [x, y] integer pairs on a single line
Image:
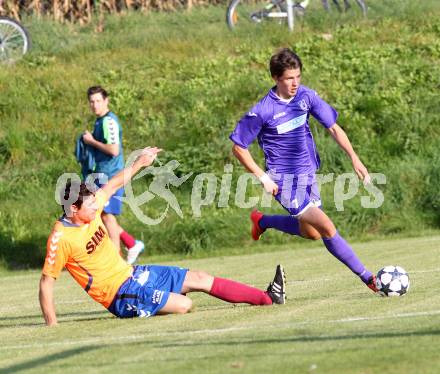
{"points": [[66, 222]]}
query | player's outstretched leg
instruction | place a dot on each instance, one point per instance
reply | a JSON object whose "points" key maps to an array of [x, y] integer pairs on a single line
{"points": [[277, 288], [176, 304], [337, 246], [371, 284], [284, 223], [256, 229], [235, 292]]}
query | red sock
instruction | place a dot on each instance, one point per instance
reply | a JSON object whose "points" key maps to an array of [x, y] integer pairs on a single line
{"points": [[127, 239], [234, 292]]}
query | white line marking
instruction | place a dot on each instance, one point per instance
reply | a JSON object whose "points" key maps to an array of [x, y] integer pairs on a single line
{"points": [[424, 271], [140, 337]]}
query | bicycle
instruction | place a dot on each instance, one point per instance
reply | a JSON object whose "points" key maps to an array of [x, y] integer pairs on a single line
{"points": [[15, 41], [257, 11]]}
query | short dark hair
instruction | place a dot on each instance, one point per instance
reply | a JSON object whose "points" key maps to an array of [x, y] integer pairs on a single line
{"points": [[74, 193], [283, 60], [95, 90]]}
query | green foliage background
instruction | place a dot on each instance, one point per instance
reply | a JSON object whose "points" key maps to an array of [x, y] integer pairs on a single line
{"points": [[181, 81]]}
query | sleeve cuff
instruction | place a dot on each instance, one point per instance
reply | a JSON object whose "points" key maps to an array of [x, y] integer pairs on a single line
{"points": [[238, 142]]}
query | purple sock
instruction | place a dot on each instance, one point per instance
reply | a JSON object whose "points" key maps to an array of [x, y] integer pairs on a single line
{"points": [[339, 248], [287, 224]]}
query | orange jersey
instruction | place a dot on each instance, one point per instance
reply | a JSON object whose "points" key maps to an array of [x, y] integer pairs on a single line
{"points": [[89, 255]]}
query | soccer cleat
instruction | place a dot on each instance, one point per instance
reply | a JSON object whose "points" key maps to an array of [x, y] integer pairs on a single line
{"points": [[256, 230], [372, 284], [277, 288], [134, 252]]}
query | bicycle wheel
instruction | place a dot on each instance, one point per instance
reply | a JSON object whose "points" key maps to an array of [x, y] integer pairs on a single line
{"points": [[14, 40], [242, 12], [347, 5]]}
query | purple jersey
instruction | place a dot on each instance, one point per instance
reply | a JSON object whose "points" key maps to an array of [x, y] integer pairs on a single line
{"points": [[283, 131]]}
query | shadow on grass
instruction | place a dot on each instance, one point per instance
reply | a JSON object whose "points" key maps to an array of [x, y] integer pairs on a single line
{"points": [[78, 316], [25, 254], [305, 339], [35, 363]]}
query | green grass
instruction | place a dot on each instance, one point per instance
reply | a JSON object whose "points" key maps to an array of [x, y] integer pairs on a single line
{"points": [[181, 81], [331, 323]]}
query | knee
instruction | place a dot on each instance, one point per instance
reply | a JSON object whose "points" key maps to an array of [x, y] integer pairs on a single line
{"points": [[199, 281], [313, 235], [327, 230], [201, 276], [185, 305], [309, 232]]}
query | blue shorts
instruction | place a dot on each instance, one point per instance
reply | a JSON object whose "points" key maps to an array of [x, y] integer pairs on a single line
{"points": [[296, 195], [147, 290], [114, 204]]}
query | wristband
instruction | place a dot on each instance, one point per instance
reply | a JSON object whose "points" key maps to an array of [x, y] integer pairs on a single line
{"points": [[264, 178]]}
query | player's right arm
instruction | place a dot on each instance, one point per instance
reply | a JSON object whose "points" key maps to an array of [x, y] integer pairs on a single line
{"points": [[57, 253], [47, 299], [244, 134], [244, 156]]}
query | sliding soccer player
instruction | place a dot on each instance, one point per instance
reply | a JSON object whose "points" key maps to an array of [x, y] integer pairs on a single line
{"points": [[81, 243]]}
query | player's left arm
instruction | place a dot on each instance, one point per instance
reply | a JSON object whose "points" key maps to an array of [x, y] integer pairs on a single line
{"points": [[47, 299], [145, 159], [341, 138]]}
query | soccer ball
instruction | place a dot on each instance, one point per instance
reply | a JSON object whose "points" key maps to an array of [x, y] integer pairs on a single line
{"points": [[392, 281]]}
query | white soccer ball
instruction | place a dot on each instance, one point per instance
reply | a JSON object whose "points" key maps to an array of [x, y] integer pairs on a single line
{"points": [[392, 281]]}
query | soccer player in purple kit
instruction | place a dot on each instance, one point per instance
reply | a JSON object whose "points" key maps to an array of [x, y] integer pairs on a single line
{"points": [[280, 122]]}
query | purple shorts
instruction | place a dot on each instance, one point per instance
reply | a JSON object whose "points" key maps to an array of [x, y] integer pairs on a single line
{"points": [[296, 194]]}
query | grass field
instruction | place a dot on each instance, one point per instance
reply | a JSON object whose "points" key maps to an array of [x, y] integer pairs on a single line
{"points": [[381, 73], [331, 323]]}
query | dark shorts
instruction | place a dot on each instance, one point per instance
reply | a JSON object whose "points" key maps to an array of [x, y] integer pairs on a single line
{"points": [[114, 204], [296, 195], [147, 290]]}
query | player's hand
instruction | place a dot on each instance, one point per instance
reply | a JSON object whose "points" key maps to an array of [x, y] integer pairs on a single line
{"points": [[148, 155], [361, 170], [269, 185], [88, 137]]}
